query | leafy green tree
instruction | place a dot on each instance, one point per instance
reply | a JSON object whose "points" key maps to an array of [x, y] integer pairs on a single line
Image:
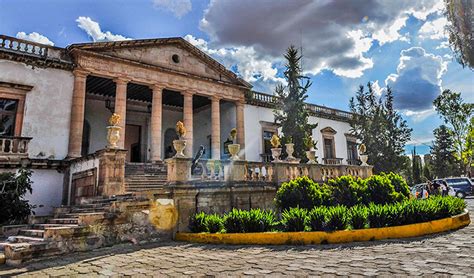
{"points": [[457, 114], [443, 161], [380, 128], [460, 30], [468, 154], [14, 209], [291, 110]]}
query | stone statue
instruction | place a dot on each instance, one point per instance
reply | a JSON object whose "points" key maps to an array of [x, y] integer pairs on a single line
{"points": [[197, 157]]}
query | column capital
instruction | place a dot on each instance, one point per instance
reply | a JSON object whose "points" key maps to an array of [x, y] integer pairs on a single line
{"points": [[80, 73], [158, 87], [187, 93], [215, 98], [240, 103], [121, 80]]}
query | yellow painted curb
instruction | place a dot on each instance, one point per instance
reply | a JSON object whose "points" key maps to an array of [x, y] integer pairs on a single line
{"points": [[300, 238]]}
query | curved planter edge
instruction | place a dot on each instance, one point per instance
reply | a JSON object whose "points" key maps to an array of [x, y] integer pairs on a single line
{"points": [[302, 238]]}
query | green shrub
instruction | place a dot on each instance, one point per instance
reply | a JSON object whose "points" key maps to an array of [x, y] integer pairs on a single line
{"points": [[377, 215], [243, 221], [399, 184], [346, 191], [214, 223], [14, 209], [337, 218], [300, 192], [380, 190], [358, 217], [198, 223], [294, 219], [316, 219]]}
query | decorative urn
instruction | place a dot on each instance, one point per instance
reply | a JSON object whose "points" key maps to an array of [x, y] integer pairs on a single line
{"points": [[180, 144], [276, 150], [290, 149], [234, 148], [311, 155], [363, 156], [113, 131]]}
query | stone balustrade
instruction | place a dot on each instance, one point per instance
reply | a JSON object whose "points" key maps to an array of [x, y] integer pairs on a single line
{"points": [[19, 45], [263, 172], [14, 146]]}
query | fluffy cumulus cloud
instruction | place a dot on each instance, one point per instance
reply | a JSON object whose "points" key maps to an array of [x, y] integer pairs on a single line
{"points": [[178, 7], [335, 35], [417, 82], [94, 31], [35, 37], [434, 29], [245, 61]]}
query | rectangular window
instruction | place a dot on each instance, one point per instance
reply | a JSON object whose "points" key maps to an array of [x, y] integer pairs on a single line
{"points": [[8, 109], [351, 150], [328, 148], [267, 136]]}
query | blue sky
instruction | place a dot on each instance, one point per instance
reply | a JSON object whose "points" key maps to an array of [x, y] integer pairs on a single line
{"points": [[400, 43]]}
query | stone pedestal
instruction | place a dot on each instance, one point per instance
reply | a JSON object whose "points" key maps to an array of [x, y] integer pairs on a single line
{"points": [[179, 169], [111, 172], [234, 171], [279, 172]]}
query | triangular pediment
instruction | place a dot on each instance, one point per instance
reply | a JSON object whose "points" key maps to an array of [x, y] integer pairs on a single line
{"points": [[328, 130], [173, 53]]}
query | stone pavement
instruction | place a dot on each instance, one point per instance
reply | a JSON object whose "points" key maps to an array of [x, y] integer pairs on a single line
{"points": [[440, 255]]}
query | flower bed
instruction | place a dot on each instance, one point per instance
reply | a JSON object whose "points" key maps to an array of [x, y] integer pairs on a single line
{"points": [[332, 218]]}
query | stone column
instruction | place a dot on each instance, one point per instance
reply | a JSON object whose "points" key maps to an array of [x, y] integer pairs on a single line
{"points": [[215, 128], [239, 108], [188, 122], [77, 114], [156, 122], [121, 107]]}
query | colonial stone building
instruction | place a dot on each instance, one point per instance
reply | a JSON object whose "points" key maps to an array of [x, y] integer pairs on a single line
{"points": [[55, 103]]}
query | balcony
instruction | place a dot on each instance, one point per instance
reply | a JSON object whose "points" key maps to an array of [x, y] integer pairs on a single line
{"points": [[13, 147], [332, 161]]}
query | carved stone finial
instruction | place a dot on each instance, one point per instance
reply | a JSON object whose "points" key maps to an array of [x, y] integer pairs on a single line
{"points": [[113, 131]]}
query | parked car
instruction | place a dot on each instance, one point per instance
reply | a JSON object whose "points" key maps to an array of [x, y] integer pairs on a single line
{"points": [[462, 186]]}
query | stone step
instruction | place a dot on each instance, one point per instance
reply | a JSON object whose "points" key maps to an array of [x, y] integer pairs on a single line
{"points": [[44, 226], [22, 239], [16, 253], [32, 233], [63, 221]]}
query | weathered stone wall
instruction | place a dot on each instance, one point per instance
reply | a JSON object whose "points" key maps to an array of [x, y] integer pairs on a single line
{"points": [[216, 197]]}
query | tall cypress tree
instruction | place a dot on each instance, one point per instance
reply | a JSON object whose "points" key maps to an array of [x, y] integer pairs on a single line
{"points": [[291, 112], [416, 168], [382, 129]]}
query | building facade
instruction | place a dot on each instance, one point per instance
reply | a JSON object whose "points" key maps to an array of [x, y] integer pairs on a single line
{"points": [[55, 104]]}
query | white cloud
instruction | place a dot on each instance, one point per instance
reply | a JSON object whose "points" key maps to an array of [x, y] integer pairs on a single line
{"points": [[392, 33], [35, 37], [94, 31], [419, 116], [434, 29], [377, 89], [335, 35], [258, 70], [444, 44], [178, 7], [417, 81]]}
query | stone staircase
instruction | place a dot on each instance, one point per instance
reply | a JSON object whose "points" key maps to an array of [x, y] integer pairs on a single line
{"points": [[98, 222], [141, 177]]}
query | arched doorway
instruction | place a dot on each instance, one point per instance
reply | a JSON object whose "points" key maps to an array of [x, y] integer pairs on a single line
{"points": [[170, 135]]}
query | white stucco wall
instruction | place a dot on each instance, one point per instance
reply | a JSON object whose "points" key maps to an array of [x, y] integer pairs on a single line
{"points": [[254, 137], [47, 106], [47, 191]]}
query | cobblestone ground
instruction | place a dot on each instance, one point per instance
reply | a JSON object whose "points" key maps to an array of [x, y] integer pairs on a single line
{"points": [[441, 255]]}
